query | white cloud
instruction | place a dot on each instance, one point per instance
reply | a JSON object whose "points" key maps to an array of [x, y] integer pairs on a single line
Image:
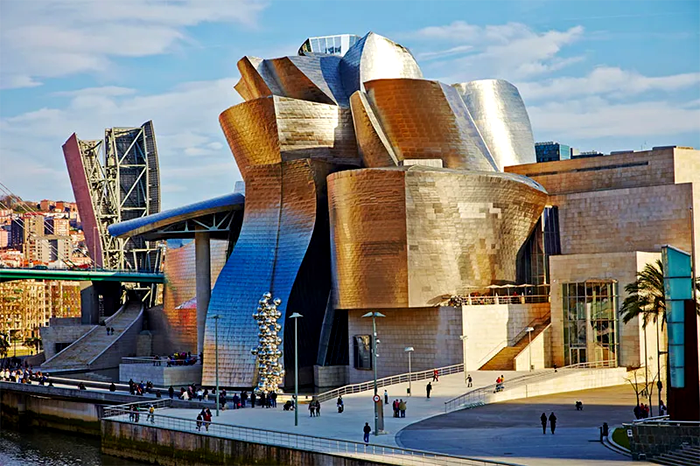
{"points": [[46, 39], [193, 152], [606, 80], [595, 117], [509, 51]]}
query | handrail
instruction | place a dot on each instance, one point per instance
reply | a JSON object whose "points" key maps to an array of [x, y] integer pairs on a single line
{"points": [[478, 396], [386, 381], [662, 420], [388, 454], [509, 341]]}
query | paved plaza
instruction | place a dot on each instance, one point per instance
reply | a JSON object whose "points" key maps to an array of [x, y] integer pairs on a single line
{"points": [[511, 431], [508, 431]]}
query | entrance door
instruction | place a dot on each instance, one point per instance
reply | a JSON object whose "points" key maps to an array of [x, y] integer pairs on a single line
{"points": [[577, 355]]}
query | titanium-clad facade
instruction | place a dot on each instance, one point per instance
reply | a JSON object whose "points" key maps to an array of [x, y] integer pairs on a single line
{"points": [[385, 222], [499, 113], [353, 130]]}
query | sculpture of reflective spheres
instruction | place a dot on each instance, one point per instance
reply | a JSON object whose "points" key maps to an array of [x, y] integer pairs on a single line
{"points": [[367, 187]]}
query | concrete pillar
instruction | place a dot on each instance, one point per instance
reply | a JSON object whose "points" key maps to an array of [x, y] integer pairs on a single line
{"points": [[89, 306], [203, 273]]}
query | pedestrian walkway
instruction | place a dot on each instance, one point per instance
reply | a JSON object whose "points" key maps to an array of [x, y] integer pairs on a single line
{"points": [[511, 431], [358, 410]]}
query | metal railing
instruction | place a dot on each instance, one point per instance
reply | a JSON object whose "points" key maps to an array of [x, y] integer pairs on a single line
{"points": [[386, 381], [377, 453], [662, 421], [510, 341], [480, 396]]}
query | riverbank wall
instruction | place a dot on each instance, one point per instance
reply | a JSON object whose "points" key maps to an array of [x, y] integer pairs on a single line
{"points": [[167, 447], [66, 409]]}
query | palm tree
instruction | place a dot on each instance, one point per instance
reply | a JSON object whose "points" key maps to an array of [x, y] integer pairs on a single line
{"points": [[645, 296]]}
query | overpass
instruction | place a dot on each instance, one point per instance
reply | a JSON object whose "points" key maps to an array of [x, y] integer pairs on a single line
{"points": [[9, 274]]}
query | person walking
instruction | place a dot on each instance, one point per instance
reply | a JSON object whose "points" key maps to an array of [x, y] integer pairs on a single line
{"points": [[435, 375], [429, 388], [171, 392], [318, 408], [552, 422], [340, 404], [207, 419], [312, 408], [402, 408], [199, 421], [386, 397], [543, 420], [469, 380], [367, 429], [273, 399], [151, 414]]}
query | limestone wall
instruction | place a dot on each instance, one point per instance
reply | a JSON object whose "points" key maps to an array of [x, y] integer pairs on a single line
{"points": [[656, 439], [432, 332], [161, 376], [541, 351]]}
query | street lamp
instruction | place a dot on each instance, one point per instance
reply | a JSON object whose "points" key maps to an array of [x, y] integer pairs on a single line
{"points": [[409, 350], [464, 347], [529, 344], [216, 357], [296, 316], [374, 316]]}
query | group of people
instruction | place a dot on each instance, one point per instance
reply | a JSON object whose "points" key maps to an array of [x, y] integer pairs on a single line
{"points": [[204, 419], [314, 408], [552, 422], [134, 414], [179, 359], [24, 375], [399, 408], [499, 384], [641, 411], [138, 388], [110, 330]]}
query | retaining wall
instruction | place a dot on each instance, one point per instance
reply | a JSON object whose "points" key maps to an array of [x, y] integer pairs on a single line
{"points": [[656, 439], [175, 448]]}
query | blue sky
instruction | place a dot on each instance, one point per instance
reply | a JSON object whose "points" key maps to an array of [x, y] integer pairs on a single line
{"points": [[602, 75]]}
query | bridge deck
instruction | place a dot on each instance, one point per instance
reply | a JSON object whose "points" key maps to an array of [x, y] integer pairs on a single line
{"points": [[7, 274]]}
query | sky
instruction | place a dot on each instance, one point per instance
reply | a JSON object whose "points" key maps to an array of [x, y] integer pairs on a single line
{"points": [[596, 75]]}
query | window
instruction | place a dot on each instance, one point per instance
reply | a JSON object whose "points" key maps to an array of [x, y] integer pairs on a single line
{"points": [[590, 321], [363, 352]]}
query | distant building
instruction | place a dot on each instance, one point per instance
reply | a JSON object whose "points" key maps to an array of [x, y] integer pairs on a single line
{"points": [[57, 226], [17, 233], [4, 238], [330, 45], [46, 205], [595, 153], [550, 151]]}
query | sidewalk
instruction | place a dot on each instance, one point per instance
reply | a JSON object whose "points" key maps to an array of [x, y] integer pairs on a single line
{"points": [[358, 410]]}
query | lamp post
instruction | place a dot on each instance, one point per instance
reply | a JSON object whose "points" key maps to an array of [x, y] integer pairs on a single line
{"points": [[409, 350], [529, 345], [374, 316], [216, 357], [464, 347], [296, 316]]}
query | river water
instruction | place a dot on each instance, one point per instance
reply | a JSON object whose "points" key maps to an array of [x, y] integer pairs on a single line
{"points": [[53, 448]]}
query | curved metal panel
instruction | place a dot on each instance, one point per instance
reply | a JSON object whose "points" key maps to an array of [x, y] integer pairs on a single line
{"points": [[376, 57], [272, 129], [373, 146], [502, 119], [138, 226], [255, 80], [427, 120], [368, 238], [403, 237], [277, 228]]}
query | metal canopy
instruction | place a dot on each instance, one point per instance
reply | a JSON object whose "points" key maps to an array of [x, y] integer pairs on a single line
{"points": [[215, 216]]}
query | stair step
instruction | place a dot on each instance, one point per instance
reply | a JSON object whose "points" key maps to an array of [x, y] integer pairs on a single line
{"points": [[671, 462], [685, 455]]}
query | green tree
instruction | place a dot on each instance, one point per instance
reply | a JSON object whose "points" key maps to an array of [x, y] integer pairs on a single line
{"points": [[645, 296], [34, 343]]}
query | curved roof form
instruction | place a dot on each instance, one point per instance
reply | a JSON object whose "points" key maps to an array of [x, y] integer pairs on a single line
{"points": [[173, 223]]}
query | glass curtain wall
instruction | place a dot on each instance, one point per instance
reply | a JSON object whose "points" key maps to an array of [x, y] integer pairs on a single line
{"points": [[590, 321]]}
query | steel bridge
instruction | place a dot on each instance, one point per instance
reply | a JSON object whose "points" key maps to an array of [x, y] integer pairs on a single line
{"points": [[122, 276]]}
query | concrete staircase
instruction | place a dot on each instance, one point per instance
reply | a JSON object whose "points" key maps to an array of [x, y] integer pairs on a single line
{"points": [[96, 342], [505, 359], [686, 456]]}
